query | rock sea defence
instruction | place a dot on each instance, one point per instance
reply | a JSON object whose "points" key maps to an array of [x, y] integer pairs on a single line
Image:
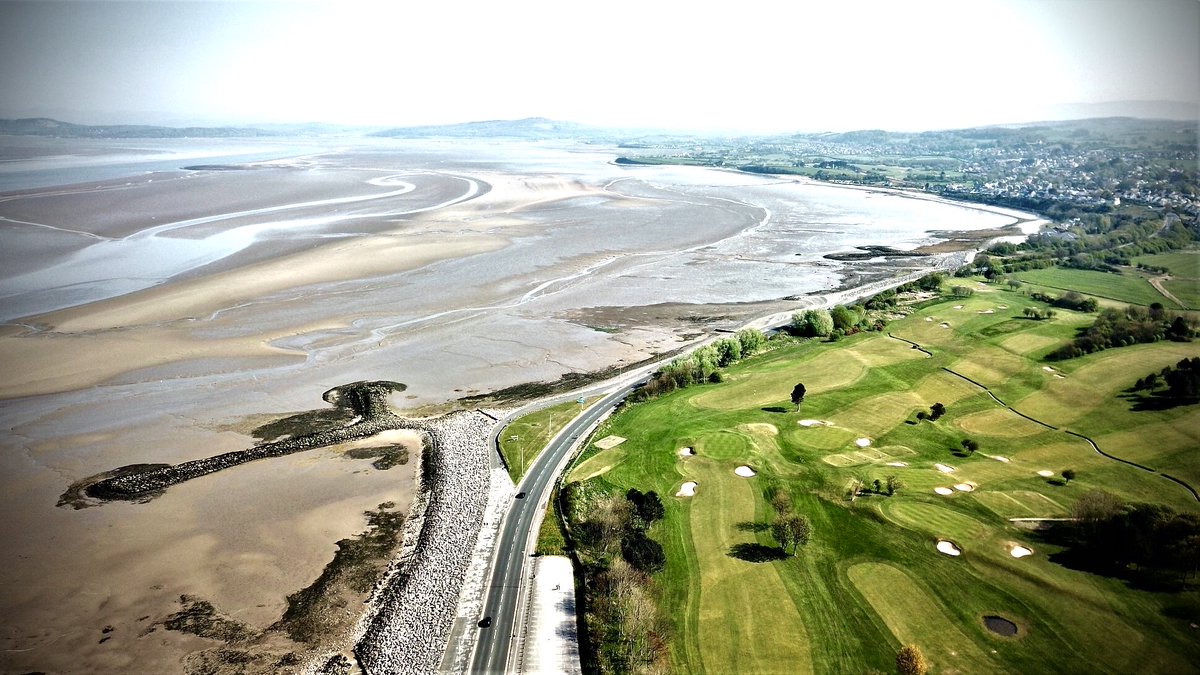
{"points": [[143, 482]]}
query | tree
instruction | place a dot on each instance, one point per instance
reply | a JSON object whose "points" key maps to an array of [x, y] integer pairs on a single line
{"points": [[843, 318], [813, 323], [647, 507], [970, 445], [791, 531], [798, 392], [910, 661], [781, 502], [1068, 475], [641, 552], [751, 340], [936, 410], [893, 484]]}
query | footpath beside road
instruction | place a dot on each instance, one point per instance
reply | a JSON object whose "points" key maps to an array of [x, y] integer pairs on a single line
{"points": [[551, 643]]}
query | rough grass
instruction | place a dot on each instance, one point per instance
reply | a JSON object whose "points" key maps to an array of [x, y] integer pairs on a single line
{"points": [[728, 614]]}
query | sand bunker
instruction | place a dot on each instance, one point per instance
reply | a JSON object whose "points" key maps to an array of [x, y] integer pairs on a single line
{"points": [[943, 490], [1001, 306], [686, 452], [988, 311], [964, 487], [688, 489], [944, 324], [813, 423], [998, 458], [929, 318], [1048, 369], [958, 307], [862, 442], [943, 468], [1045, 473], [897, 464], [609, 442], [1019, 551], [744, 471], [948, 547]]}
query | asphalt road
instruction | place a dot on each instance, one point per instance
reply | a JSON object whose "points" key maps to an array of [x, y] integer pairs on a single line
{"points": [[505, 594]]}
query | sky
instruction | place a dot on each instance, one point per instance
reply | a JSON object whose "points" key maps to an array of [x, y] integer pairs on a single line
{"points": [[749, 66]]}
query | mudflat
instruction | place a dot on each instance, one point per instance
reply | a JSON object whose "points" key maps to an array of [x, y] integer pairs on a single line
{"points": [[164, 316]]}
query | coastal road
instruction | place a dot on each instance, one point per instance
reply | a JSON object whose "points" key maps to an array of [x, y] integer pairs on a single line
{"points": [[506, 593]]}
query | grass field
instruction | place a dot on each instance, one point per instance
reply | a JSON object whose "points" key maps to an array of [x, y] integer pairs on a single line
{"points": [[1184, 267], [527, 435], [1126, 288], [872, 579]]}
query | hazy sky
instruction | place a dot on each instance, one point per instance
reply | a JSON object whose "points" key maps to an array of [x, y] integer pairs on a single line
{"points": [[753, 66]]}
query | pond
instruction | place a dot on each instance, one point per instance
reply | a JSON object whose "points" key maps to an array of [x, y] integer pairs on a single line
{"points": [[1000, 625]]}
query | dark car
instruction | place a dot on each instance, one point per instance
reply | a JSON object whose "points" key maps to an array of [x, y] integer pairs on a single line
{"points": [[520, 495], [485, 622]]}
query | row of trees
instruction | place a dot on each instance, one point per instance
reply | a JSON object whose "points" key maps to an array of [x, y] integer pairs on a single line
{"points": [[618, 558], [1110, 533], [935, 413], [1039, 314], [1069, 300], [884, 300], [835, 322], [702, 365], [1181, 383], [1134, 325]]}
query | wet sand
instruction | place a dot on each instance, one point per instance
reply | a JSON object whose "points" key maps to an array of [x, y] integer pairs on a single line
{"points": [[559, 262]]}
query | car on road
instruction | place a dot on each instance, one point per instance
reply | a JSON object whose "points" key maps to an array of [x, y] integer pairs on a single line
{"points": [[520, 495], [485, 622]]}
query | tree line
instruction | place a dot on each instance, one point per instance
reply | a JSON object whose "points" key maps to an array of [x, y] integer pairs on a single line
{"points": [[702, 365], [1112, 535], [1134, 325], [1181, 382], [618, 557]]}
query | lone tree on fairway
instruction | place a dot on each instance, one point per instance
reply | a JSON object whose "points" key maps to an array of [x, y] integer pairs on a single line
{"points": [[1068, 475], [936, 410], [910, 661], [970, 445], [798, 395]]}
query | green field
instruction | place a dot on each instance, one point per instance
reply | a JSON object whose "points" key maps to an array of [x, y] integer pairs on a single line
{"points": [[1184, 268], [526, 436], [871, 579], [1127, 288]]}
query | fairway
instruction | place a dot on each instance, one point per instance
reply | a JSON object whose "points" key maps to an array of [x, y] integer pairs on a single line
{"points": [[915, 617], [871, 577]]}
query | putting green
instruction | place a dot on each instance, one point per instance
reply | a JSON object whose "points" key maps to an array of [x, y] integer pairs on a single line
{"points": [[938, 521]]}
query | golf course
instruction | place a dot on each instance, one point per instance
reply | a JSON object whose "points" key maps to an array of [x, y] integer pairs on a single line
{"points": [[957, 556]]}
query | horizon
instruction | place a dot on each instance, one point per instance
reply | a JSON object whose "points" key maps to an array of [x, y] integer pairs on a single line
{"points": [[1193, 115], [931, 65]]}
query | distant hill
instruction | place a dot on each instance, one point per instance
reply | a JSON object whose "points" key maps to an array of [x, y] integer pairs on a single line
{"points": [[532, 128], [44, 126]]}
